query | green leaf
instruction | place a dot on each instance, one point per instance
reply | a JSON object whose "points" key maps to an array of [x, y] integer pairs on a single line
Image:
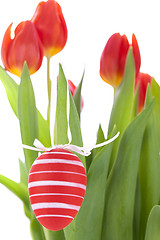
{"points": [[19, 189], [77, 97], [27, 115], [75, 129], [36, 229], [155, 90], [90, 217], [54, 235], [23, 173], [100, 135], [100, 139], [60, 128], [74, 124], [153, 224], [121, 185], [43, 131], [149, 168], [122, 110], [135, 102], [137, 209], [121, 114], [11, 88], [61, 122]]}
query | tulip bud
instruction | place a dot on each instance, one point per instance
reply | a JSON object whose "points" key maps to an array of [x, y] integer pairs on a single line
{"points": [[25, 46], [73, 88], [51, 27], [142, 81], [113, 58]]}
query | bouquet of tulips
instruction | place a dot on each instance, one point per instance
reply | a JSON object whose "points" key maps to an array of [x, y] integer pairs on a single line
{"points": [[110, 192]]}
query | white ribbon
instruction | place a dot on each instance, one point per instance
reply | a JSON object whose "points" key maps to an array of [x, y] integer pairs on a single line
{"points": [[85, 151]]}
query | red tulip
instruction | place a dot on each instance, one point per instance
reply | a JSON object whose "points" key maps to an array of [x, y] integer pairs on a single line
{"points": [[142, 81], [73, 88], [25, 46], [51, 27], [113, 58]]}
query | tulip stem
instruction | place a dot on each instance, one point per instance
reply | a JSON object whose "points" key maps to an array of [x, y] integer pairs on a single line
{"points": [[49, 84]]}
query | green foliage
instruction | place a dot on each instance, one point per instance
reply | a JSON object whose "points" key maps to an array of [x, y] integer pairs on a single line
{"points": [[63, 125], [54, 235], [61, 121], [23, 173], [153, 224], [27, 115], [123, 106], [11, 88], [91, 212], [155, 91], [122, 195], [75, 129], [18, 189], [121, 184], [77, 96], [32, 125], [36, 229], [121, 114], [149, 168]]}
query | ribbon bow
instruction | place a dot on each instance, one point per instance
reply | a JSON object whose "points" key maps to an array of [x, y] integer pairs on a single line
{"points": [[85, 151]]}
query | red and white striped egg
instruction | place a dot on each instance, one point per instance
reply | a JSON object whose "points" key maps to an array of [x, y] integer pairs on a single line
{"points": [[57, 184]]}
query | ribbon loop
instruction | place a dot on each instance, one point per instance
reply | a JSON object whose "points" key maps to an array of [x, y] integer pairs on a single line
{"points": [[80, 150]]}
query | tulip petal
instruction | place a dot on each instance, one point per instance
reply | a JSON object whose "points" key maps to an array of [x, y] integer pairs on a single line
{"points": [[79, 102], [113, 59], [136, 54], [143, 80], [123, 51], [25, 46], [6, 43], [51, 27]]}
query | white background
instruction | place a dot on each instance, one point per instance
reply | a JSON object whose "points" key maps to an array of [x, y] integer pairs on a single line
{"points": [[90, 24]]}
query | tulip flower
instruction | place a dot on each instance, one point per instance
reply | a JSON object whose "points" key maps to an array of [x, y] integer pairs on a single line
{"points": [[51, 27], [113, 58], [25, 46], [73, 88], [142, 82]]}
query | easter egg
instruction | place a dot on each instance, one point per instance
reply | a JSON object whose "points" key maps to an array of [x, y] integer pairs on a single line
{"points": [[57, 184]]}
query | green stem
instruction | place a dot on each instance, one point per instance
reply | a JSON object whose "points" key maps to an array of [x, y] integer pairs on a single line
{"points": [[54, 235], [36, 229], [49, 84]]}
